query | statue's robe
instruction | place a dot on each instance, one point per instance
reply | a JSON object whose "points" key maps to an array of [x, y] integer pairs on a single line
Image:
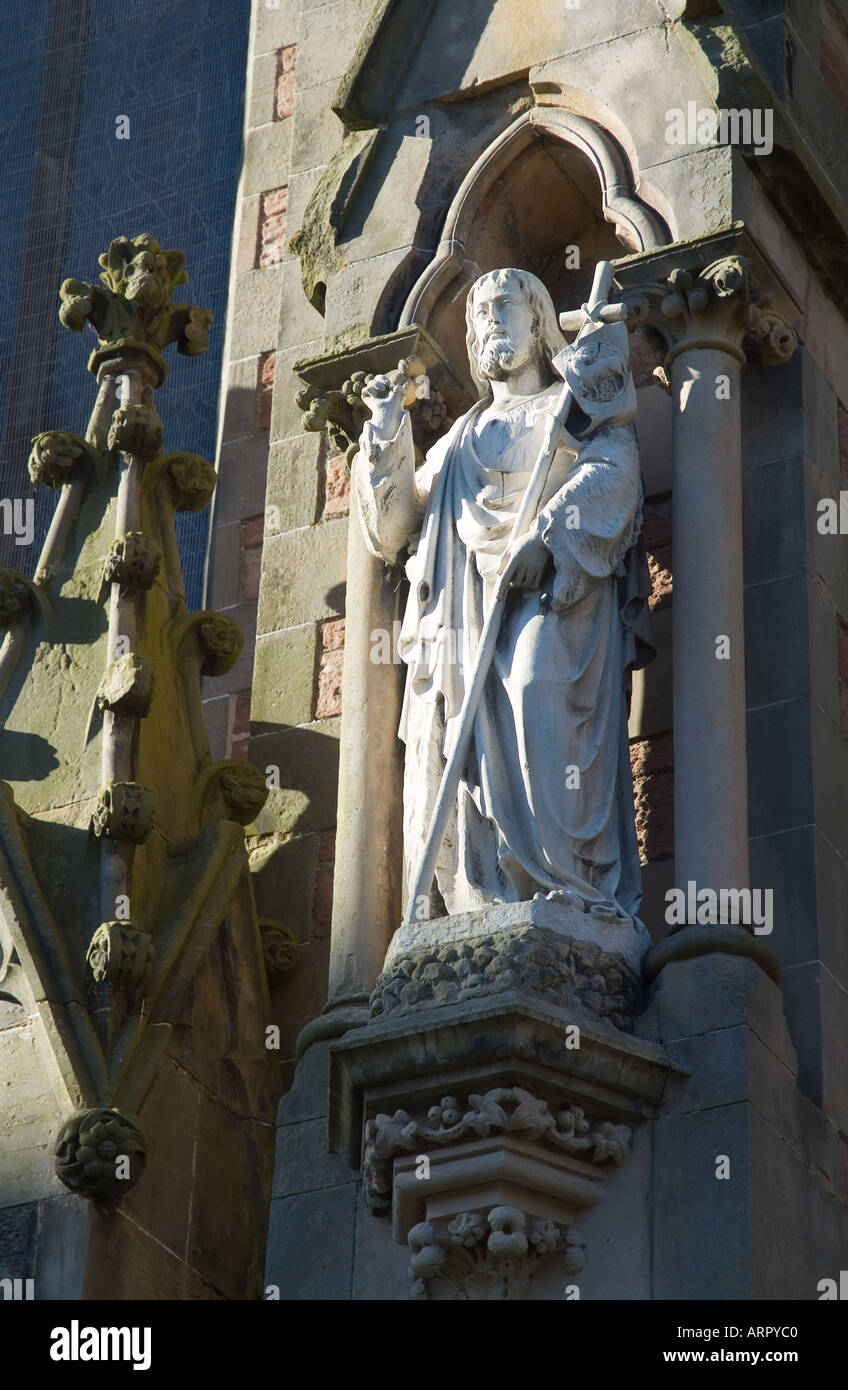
{"points": [[546, 799]]}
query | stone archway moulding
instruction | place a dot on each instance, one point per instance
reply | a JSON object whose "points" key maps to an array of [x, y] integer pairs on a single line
{"points": [[637, 224]]}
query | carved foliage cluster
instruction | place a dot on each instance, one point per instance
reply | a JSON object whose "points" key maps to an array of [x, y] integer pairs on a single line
{"points": [[136, 429], [280, 949], [343, 412], [55, 455], [489, 1256], [124, 811], [503, 1110], [536, 961], [724, 300], [118, 954], [127, 686], [16, 598], [133, 561]]}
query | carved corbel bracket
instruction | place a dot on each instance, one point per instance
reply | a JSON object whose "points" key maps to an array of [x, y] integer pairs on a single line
{"points": [[331, 397], [718, 292], [486, 1137]]}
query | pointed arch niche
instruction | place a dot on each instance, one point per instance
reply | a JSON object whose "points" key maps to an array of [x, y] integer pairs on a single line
{"points": [[552, 180]]}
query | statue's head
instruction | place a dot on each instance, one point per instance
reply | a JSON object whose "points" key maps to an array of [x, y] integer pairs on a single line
{"points": [[511, 321]]}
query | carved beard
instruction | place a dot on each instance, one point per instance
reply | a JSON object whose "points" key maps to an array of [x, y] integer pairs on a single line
{"points": [[501, 355]]}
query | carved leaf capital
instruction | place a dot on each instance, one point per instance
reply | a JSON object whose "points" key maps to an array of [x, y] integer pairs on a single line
{"points": [[719, 306]]}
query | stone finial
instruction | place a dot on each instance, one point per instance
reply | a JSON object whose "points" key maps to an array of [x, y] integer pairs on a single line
{"points": [[131, 310]]}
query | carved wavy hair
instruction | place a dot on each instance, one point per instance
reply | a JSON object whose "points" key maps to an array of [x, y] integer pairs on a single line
{"points": [[547, 328]]}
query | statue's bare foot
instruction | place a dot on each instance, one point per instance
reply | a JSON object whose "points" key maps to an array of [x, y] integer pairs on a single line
{"points": [[564, 896], [607, 912]]}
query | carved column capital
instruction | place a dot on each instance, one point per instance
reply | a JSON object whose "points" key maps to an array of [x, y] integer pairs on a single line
{"points": [[719, 306]]}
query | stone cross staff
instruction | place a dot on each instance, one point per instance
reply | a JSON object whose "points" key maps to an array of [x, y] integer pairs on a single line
{"points": [[597, 310]]}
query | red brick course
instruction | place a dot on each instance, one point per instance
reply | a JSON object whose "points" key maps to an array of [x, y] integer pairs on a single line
{"points": [[284, 94], [265, 389], [656, 531], [652, 765], [330, 662], [272, 227]]}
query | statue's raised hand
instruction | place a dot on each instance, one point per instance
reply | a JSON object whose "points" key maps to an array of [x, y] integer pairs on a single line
{"points": [[386, 397]]}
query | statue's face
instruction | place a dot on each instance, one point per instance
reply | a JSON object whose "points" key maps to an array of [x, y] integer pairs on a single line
{"points": [[147, 280], [507, 332]]}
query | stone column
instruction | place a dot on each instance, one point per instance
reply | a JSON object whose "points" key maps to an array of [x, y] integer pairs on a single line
{"points": [[367, 903], [707, 317], [366, 890]]}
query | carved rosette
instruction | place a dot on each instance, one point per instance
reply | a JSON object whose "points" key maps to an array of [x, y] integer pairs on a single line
{"points": [[133, 561], [119, 954], [503, 1110], [491, 1256], [136, 429], [124, 811], [99, 1154], [280, 949], [56, 456], [191, 481], [720, 306], [536, 961], [127, 686]]}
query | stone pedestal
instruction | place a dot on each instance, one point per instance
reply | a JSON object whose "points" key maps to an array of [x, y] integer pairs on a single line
{"points": [[495, 1089]]}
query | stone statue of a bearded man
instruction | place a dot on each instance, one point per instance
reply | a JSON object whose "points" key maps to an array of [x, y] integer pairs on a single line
{"points": [[545, 804]]}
